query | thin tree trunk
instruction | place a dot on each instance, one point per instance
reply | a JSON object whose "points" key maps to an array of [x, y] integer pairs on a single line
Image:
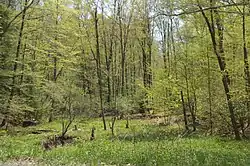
{"points": [[209, 93], [19, 43], [246, 67], [108, 58], [127, 78], [144, 64], [113, 71], [222, 64], [164, 49], [98, 67], [188, 94], [169, 49], [54, 64], [149, 59], [55, 57], [173, 45], [184, 112], [123, 55], [22, 68], [124, 33], [115, 76], [134, 74]]}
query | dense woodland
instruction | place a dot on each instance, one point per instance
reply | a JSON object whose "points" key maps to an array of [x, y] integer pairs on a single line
{"points": [[186, 60]]}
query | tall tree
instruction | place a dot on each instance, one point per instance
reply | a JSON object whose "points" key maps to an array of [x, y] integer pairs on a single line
{"points": [[98, 64], [218, 48]]}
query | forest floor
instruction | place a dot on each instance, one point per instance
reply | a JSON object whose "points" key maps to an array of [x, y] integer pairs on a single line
{"points": [[141, 144]]}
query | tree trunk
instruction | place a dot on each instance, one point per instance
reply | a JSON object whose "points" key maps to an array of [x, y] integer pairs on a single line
{"points": [[222, 64], [209, 93], [123, 54], [22, 68], [54, 65], [108, 58], [246, 66], [169, 49], [19, 43], [164, 43], [191, 108], [124, 33], [184, 112], [98, 67], [173, 46]]}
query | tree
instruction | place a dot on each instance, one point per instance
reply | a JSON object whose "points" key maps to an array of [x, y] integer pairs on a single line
{"points": [[219, 52]]}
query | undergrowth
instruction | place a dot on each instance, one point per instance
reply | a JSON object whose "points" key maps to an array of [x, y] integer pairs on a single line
{"points": [[141, 144]]}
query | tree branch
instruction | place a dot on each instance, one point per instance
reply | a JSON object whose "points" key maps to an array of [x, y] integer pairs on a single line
{"points": [[13, 19], [198, 10]]}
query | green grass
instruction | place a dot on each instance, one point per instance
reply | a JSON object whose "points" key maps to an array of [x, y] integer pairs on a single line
{"points": [[141, 144]]}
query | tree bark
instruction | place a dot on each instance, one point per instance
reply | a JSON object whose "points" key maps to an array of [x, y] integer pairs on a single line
{"points": [[184, 112], [54, 63], [124, 29], [189, 102], [209, 93], [22, 68], [108, 58], [246, 66], [19, 43], [98, 67], [173, 46], [221, 61]]}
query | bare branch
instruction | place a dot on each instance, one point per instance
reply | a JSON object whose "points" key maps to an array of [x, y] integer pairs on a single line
{"points": [[198, 10]]}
